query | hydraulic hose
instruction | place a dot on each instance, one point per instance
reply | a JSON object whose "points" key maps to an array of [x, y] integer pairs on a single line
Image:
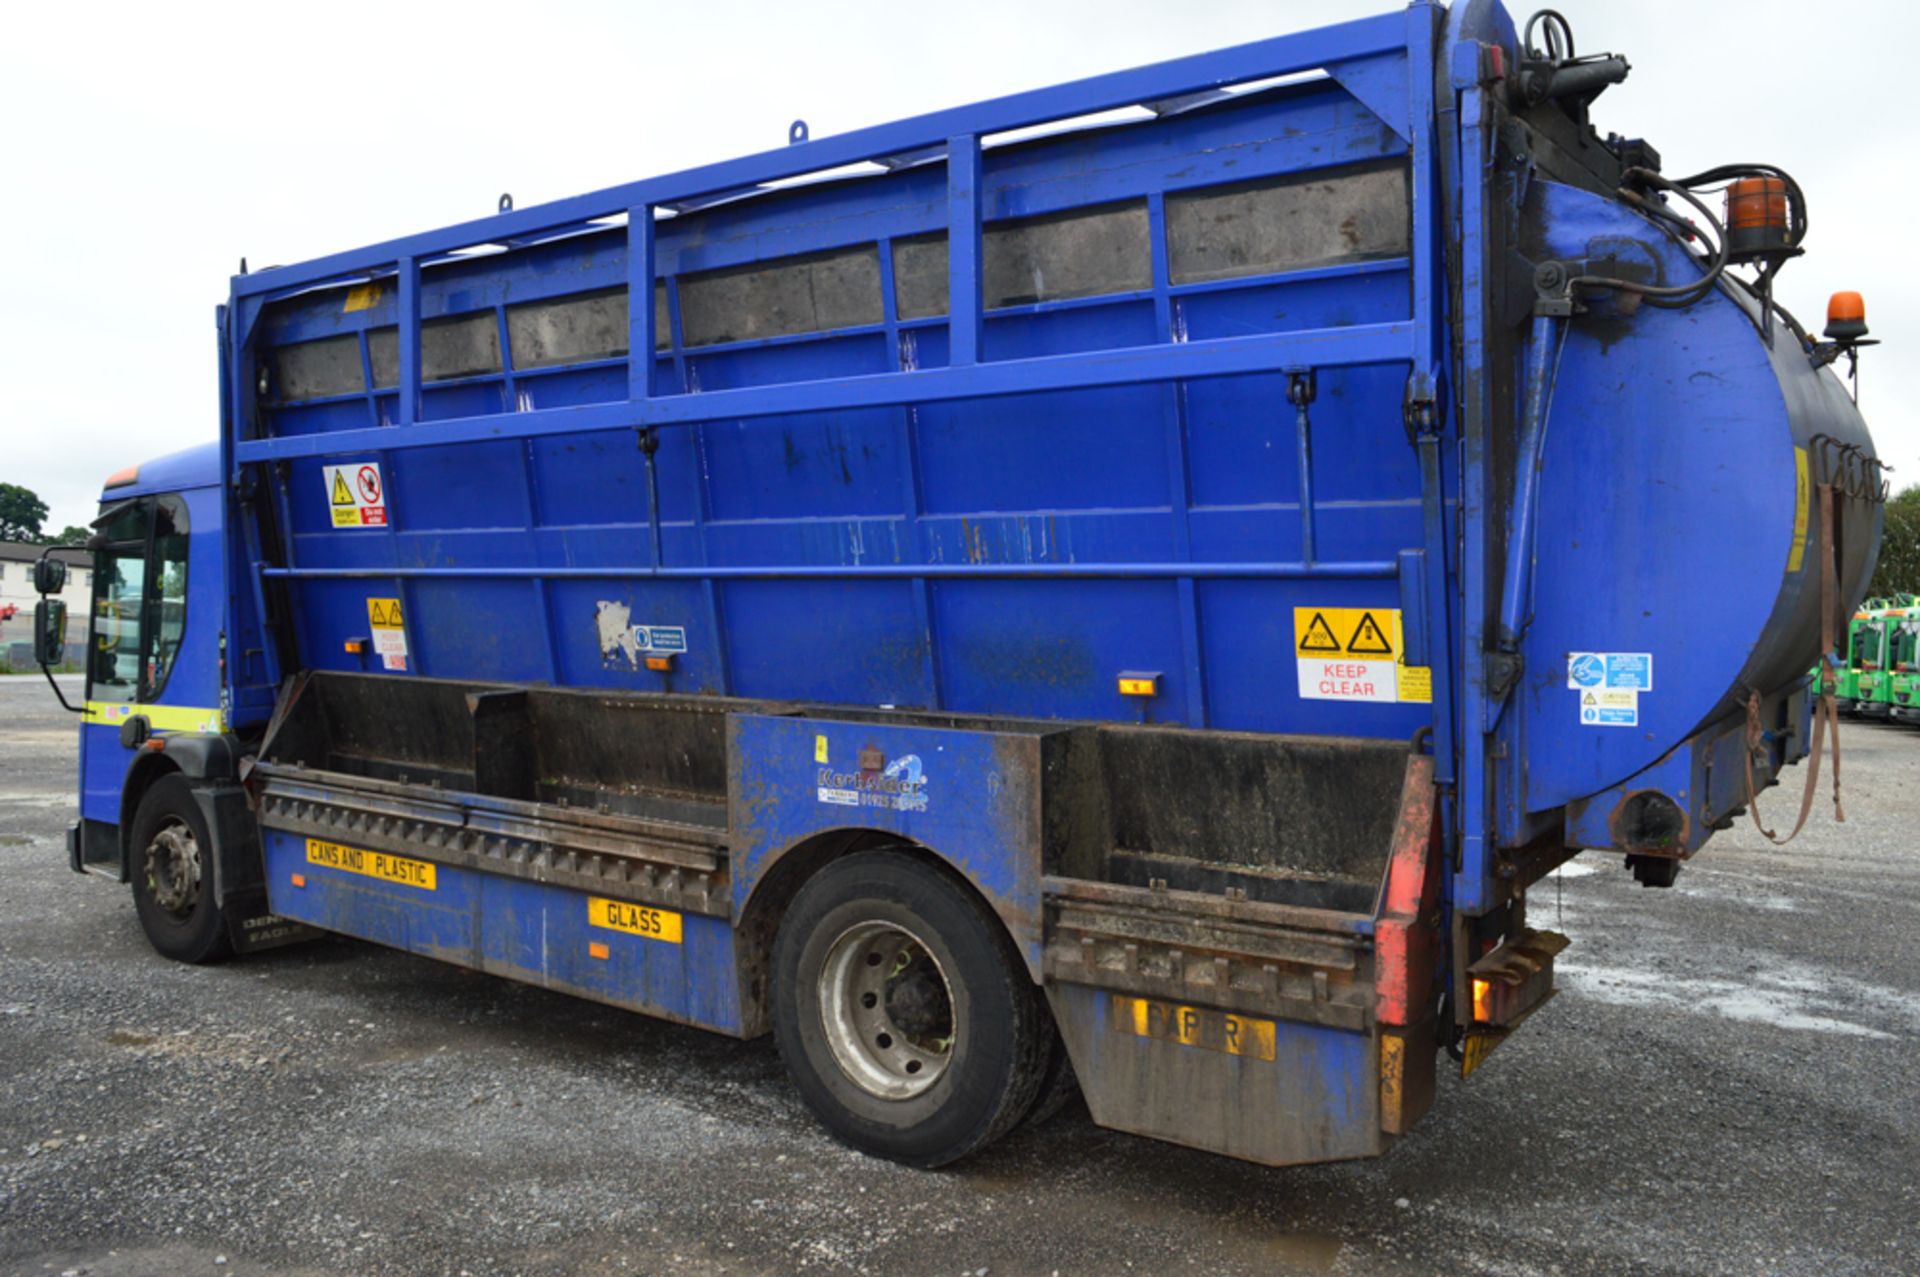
{"points": [[1667, 295]]}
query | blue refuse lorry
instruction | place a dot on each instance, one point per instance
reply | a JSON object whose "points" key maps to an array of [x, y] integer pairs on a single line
{"points": [[1126, 583]]}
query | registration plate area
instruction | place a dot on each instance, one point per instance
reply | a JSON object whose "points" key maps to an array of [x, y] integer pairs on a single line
{"points": [[1266, 1089], [1200, 1027], [662, 961]]}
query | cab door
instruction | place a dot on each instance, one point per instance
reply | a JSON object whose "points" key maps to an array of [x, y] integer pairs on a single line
{"points": [[137, 636]]}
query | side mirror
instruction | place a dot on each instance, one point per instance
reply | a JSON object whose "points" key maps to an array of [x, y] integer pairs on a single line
{"points": [[49, 630], [49, 576]]}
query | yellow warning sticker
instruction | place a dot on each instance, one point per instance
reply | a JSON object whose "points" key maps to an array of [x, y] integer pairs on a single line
{"points": [[356, 495], [1802, 498], [1413, 682], [638, 920], [819, 748], [389, 632], [373, 864], [361, 297], [1356, 654]]}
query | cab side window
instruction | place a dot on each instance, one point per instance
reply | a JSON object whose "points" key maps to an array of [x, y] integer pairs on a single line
{"points": [[119, 600], [139, 599], [166, 594]]}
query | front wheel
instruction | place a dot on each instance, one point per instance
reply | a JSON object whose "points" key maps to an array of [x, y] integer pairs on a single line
{"points": [[173, 876], [903, 1012]]}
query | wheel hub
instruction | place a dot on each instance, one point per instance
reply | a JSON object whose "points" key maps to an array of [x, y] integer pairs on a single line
{"points": [[173, 868], [887, 1010]]}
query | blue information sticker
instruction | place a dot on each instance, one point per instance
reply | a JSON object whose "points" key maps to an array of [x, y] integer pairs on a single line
{"points": [[666, 638], [1613, 671], [1630, 671]]}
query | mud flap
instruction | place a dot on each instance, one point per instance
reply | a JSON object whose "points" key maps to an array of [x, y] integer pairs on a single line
{"points": [[253, 927], [238, 873], [1277, 1092], [1267, 1031]]}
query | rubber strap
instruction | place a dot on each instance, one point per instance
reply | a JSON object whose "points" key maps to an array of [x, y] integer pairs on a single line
{"points": [[1826, 714]]}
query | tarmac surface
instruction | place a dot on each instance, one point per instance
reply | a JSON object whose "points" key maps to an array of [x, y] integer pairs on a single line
{"points": [[1727, 1082]]}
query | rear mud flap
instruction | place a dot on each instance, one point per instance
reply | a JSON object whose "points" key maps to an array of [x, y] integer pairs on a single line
{"points": [[1267, 1031], [1278, 1092]]}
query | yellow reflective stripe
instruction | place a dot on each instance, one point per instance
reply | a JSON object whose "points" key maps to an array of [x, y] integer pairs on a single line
{"points": [[162, 718]]}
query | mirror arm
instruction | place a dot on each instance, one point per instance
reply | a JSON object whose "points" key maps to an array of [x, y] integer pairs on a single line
{"points": [[60, 695]]}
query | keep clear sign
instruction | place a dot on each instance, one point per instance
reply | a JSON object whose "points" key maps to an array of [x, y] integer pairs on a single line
{"points": [[1356, 654], [389, 632]]}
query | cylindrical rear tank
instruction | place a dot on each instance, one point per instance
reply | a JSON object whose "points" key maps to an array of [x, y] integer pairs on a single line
{"points": [[1678, 514]]}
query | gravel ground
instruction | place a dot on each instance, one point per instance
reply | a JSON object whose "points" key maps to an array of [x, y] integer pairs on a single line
{"points": [[1725, 1084]]}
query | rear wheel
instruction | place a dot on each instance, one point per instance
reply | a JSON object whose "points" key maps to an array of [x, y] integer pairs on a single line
{"points": [[903, 1012], [1057, 1088], [173, 876]]}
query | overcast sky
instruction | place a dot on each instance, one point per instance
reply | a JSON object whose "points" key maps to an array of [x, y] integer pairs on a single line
{"points": [[145, 150]]}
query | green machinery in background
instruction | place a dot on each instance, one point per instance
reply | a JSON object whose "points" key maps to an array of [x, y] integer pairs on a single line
{"points": [[1881, 677]]}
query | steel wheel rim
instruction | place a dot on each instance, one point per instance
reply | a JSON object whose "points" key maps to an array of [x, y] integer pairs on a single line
{"points": [[886, 1010], [173, 868]]}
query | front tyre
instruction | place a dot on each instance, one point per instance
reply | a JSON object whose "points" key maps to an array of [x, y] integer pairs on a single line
{"points": [[173, 876], [902, 1011]]}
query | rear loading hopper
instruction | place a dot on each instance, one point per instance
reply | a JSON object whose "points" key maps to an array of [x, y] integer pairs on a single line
{"points": [[1239, 933]]}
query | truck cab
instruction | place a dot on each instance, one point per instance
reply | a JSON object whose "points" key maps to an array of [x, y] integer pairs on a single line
{"points": [[1903, 659], [155, 707], [1882, 657]]}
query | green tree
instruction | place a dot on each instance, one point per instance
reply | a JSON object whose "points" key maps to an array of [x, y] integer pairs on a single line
{"points": [[73, 535], [21, 513], [1899, 568]]}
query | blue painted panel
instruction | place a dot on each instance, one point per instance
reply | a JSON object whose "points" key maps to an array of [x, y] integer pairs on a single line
{"points": [[847, 641], [490, 630], [1324, 299], [465, 486], [816, 466], [103, 771], [195, 467], [523, 930], [590, 479], [1243, 431], [1073, 450], [960, 794], [1056, 649], [444, 403]]}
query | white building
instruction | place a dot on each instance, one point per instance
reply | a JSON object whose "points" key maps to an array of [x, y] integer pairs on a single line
{"points": [[16, 593]]}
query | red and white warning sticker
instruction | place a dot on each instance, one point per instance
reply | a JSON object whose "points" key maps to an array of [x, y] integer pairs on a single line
{"points": [[356, 495], [1356, 654]]}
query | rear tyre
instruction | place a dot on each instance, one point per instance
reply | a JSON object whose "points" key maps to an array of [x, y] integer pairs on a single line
{"points": [[903, 1013], [1058, 1086], [173, 876]]}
